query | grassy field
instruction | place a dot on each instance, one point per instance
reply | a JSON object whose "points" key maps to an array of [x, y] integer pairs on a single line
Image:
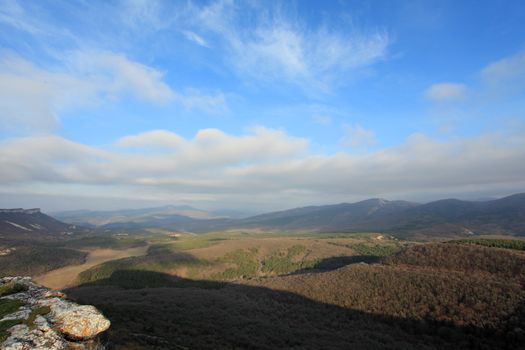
{"points": [[233, 256], [67, 276], [106, 242], [26, 257]]}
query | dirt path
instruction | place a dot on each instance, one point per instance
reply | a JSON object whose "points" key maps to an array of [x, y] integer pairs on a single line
{"points": [[66, 276]]}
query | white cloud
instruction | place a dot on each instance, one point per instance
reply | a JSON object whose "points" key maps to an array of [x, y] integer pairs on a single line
{"points": [[446, 92], [154, 138], [507, 69], [505, 78], [34, 97], [276, 47], [46, 158], [262, 167], [212, 146], [356, 136], [196, 38], [114, 74]]}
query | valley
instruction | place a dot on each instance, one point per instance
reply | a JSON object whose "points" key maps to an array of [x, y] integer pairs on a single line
{"points": [[266, 288], [268, 293]]}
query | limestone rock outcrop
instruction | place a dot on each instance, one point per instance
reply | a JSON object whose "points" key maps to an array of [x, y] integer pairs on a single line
{"points": [[40, 318]]}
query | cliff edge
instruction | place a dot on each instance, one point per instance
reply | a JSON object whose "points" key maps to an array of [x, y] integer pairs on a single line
{"points": [[35, 317]]}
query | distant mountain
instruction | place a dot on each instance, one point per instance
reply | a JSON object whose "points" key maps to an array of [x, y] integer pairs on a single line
{"points": [[439, 218], [146, 217], [501, 216], [448, 217], [28, 222], [367, 214], [172, 222]]}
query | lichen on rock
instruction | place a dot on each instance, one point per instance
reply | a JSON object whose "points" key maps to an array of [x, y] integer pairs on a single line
{"points": [[45, 319]]}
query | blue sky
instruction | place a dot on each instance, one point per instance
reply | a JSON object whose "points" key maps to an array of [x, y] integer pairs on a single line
{"points": [[259, 105]]}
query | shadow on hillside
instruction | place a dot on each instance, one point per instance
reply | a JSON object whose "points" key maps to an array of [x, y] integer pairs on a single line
{"points": [[156, 257], [337, 262], [151, 310]]}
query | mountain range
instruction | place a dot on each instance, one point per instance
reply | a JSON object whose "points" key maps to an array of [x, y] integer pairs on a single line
{"points": [[438, 218], [443, 217]]}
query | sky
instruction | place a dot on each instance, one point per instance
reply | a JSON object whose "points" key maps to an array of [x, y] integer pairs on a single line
{"points": [[259, 105]]}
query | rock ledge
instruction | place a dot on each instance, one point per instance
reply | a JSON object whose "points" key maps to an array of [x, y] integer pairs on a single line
{"points": [[45, 319]]}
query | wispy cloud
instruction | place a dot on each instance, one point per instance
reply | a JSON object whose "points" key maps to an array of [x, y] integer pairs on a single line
{"points": [[196, 38], [11, 13], [277, 46], [273, 46], [142, 14]]}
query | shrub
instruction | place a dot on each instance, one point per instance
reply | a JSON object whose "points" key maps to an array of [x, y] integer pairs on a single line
{"points": [[8, 306], [11, 288], [42, 310], [375, 249], [245, 261], [5, 325]]}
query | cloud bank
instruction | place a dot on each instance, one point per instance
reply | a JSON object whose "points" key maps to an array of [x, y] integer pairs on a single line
{"points": [[259, 167]]}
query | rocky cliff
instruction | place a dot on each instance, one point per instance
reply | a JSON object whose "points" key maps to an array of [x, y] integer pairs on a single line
{"points": [[35, 317], [31, 223]]}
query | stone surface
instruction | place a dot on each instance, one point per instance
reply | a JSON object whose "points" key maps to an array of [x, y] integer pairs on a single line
{"points": [[76, 321], [67, 325], [54, 294], [21, 314]]}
